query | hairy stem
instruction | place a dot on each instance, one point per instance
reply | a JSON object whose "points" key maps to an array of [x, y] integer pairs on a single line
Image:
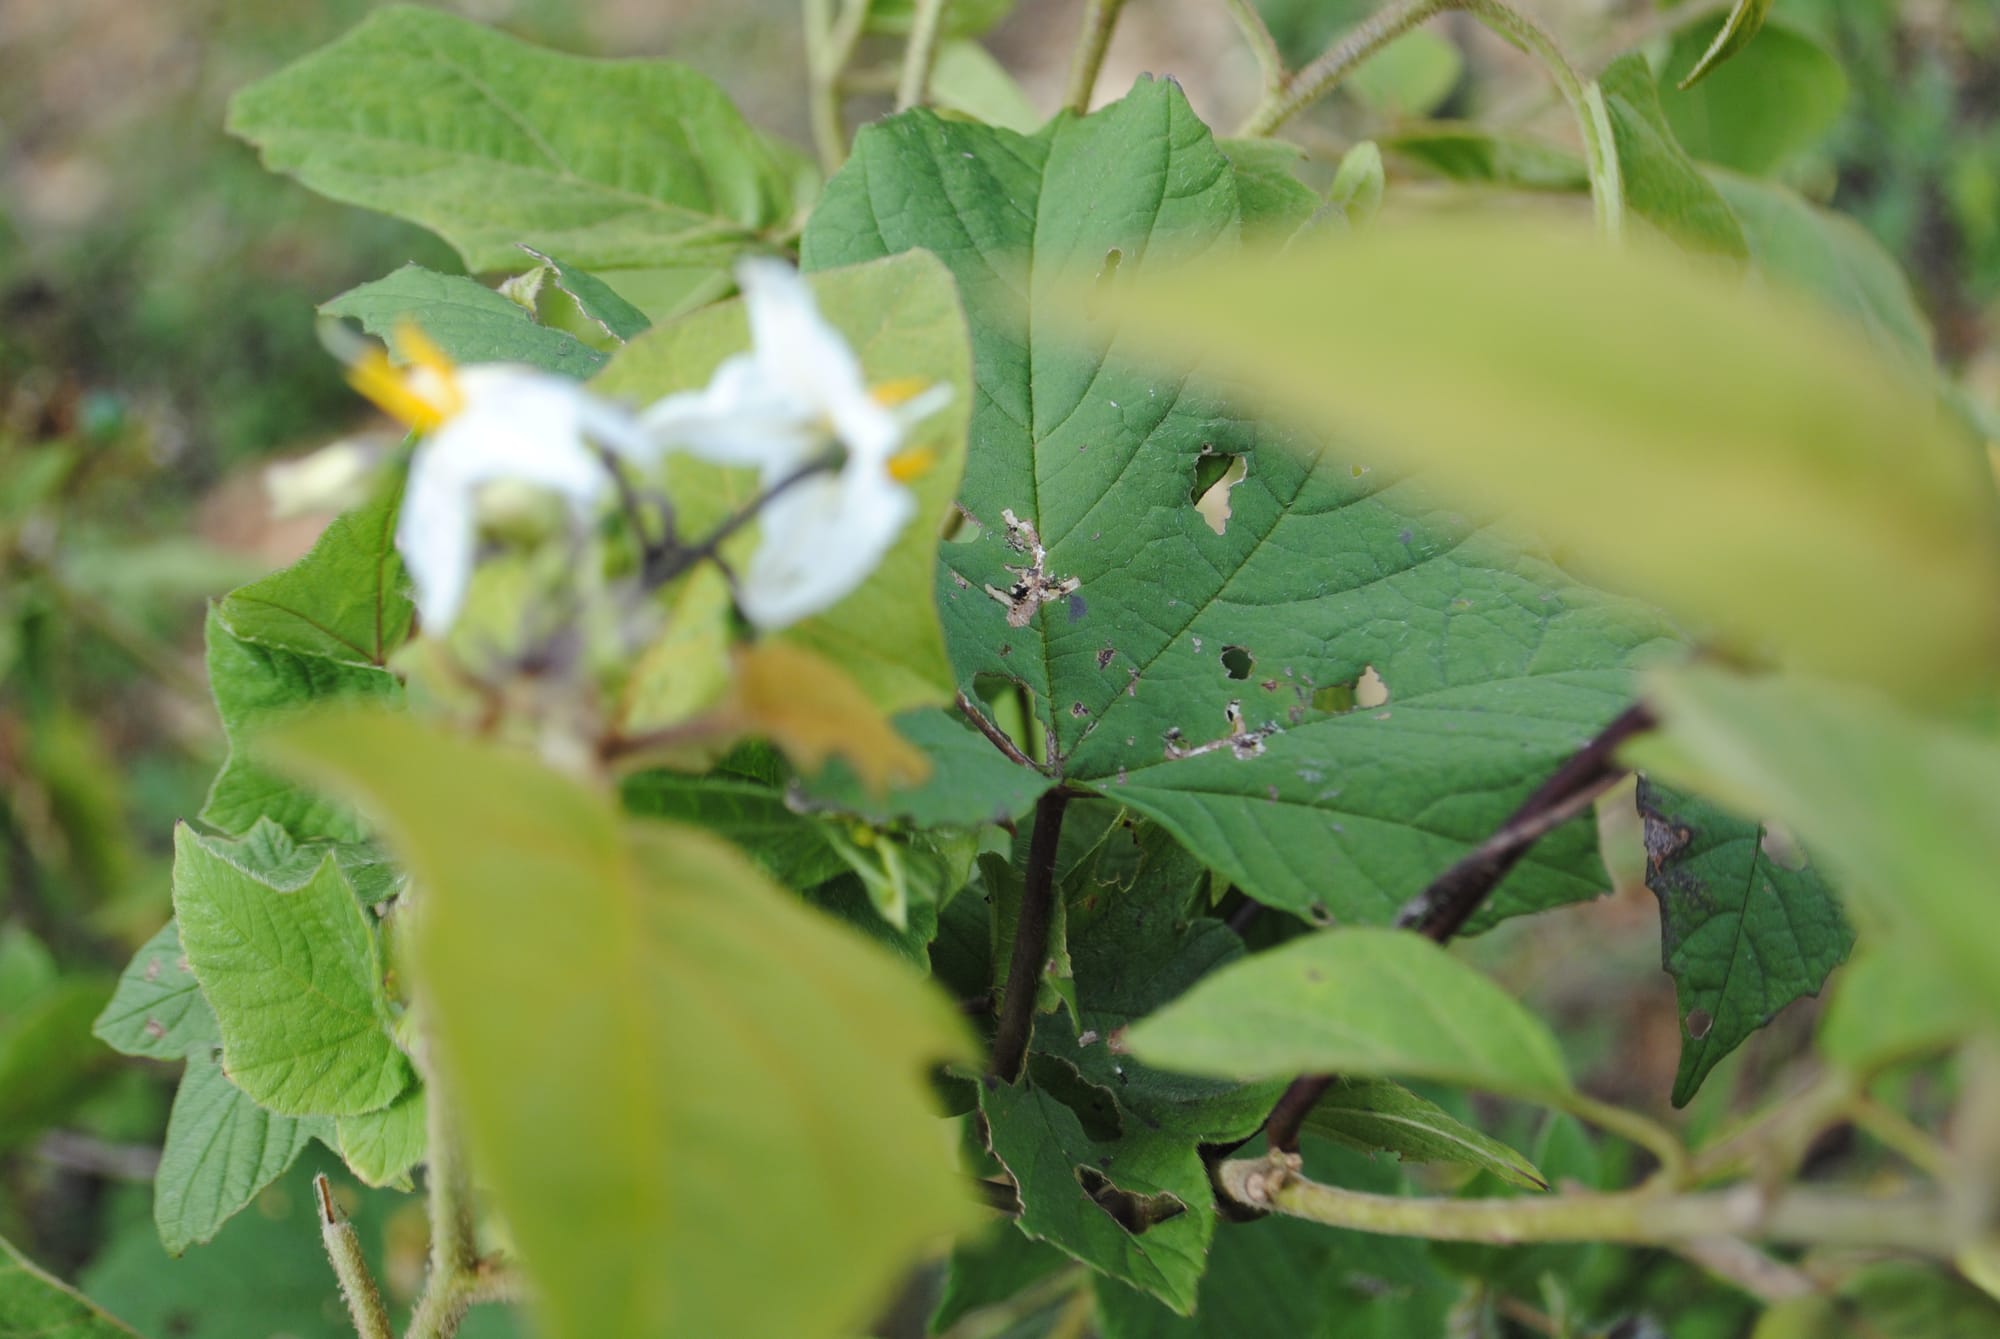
{"points": [[994, 734], [357, 1284], [1270, 63], [1031, 941], [1353, 49], [454, 1273], [1801, 1215], [920, 54], [1100, 18]]}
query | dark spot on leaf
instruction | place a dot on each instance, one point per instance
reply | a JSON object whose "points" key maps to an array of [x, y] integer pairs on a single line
{"points": [[1237, 662], [1133, 1212], [1006, 650], [1078, 709], [1077, 609], [1104, 657], [1320, 914], [154, 1029], [1699, 1021]]}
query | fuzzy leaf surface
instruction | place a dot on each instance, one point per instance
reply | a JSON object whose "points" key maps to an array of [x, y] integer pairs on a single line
{"points": [[221, 1149], [157, 1010]]}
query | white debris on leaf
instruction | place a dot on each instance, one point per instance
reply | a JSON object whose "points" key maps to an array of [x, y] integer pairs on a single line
{"points": [[796, 394]]}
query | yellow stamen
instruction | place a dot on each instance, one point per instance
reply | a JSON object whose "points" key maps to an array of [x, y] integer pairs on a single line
{"points": [[390, 390], [912, 464], [900, 391], [415, 345]]}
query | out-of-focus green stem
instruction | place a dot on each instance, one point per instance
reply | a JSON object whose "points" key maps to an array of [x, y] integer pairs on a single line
{"points": [[1100, 18], [1270, 63], [1353, 49], [830, 43], [921, 53]]}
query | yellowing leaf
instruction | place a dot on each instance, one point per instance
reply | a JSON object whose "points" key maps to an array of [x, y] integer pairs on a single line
{"points": [[1726, 452], [807, 706], [700, 1104]]}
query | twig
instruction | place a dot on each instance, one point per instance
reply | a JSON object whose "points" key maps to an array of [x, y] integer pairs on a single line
{"points": [[1031, 940], [1443, 908], [1801, 1215], [830, 44], [1270, 62], [1737, 1261], [920, 53], [678, 560], [1100, 18], [994, 734], [1354, 48], [357, 1285]]}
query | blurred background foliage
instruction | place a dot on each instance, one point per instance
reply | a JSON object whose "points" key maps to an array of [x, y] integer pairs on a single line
{"points": [[157, 346]]}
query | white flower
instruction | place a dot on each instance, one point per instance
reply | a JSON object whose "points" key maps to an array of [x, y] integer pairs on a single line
{"points": [[484, 424], [778, 407], [331, 479]]}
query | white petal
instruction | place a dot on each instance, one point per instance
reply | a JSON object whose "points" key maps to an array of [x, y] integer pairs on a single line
{"points": [[798, 352], [822, 539], [739, 418]]}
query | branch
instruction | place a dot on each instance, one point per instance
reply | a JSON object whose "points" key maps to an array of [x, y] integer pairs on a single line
{"points": [[1442, 909], [994, 734], [672, 562], [1100, 17], [1270, 62], [357, 1285], [1352, 50], [1801, 1215], [1031, 940]]}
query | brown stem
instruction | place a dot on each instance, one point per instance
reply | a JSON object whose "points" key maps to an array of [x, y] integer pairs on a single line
{"points": [[1031, 940], [994, 734], [672, 562], [1442, 909]]}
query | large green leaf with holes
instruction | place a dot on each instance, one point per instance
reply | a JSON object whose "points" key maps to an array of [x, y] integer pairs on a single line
{"points": [[1207, 679], [1747, 923], [640, 171]]}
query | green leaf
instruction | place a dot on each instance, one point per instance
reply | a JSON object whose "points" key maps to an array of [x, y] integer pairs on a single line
{"points": [[1497, 665], [1128, 960], [1777, 97], [718, 1051], [1137, 1207], [1363, 1002], [1741, 25], [989, 1269], [221, 1150], [346, 601], [1747, 924], [1905, 812], [467, 320], [1832, 258], [36, 1305], [967, 80], [594, 299], [971, 782], [1467, 151], [904, 321], [1411, 76], [640, 171], [1891, 1003], [1274, 202], [962, 18], [1662, 184], [1374, 1114], [788, 846], [157, 1010], [255, 684], [1359, 184], [1814, 472], [382, 1146], [294, 975]]}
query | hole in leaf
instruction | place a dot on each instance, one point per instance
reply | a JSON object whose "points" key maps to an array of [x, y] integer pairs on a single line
{"points": [[1093, 1106], [1133, 1212], [1334, 697], [1782, 849], [1237, 662], [1215, 473], [1369, 690], [1699, 1022], [960, 527]]}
